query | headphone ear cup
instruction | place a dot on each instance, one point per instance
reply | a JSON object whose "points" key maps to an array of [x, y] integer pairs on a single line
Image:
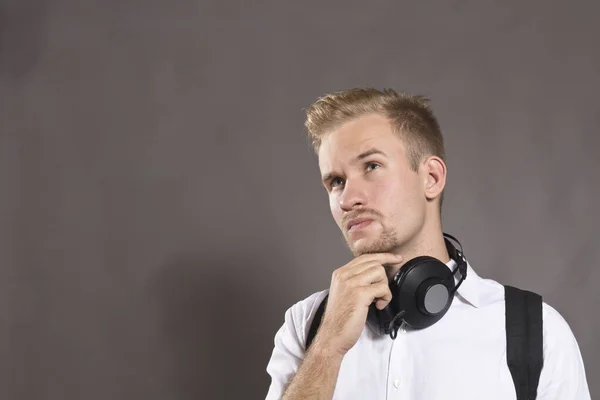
{"points": [[422, 289], [432, 296]]}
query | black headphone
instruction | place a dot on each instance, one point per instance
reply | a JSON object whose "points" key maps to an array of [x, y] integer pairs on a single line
{"points": [[422, 292]]}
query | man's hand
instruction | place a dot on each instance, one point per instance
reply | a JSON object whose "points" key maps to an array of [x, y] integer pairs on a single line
{"points": [[353, 289]]}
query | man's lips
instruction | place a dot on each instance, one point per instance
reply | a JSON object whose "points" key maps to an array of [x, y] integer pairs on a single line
{"points": [[357, 224]]}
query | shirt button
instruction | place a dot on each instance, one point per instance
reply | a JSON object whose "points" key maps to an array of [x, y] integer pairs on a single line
{"points": [[397, 383]]}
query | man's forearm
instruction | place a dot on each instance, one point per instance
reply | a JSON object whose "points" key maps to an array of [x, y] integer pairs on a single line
{"points": [[316, 377]]}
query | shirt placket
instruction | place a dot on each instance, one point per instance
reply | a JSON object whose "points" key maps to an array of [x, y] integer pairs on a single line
{"points": [[398, 373]]}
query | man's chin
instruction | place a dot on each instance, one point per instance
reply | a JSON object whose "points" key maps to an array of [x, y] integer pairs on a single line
{"points": [[362, 246]]}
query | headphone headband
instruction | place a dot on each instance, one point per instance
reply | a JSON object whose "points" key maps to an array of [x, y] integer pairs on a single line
{"points": [[456, 254]]}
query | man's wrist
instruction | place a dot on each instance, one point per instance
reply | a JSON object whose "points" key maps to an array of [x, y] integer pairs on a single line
{"points": [[326, 352]]}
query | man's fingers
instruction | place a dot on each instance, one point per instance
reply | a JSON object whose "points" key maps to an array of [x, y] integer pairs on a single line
{"points": [[367, 261], [379, 292], [374, 273]]}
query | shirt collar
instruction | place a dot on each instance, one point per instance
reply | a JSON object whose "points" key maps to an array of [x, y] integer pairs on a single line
{"points": [[469, 288]]}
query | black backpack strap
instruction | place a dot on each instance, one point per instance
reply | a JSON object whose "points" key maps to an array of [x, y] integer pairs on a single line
{"points": [[314, 326], [524, 340]]}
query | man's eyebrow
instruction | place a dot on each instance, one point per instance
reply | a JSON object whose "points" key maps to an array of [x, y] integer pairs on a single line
{"points": [[369, 152], [326, 177]]}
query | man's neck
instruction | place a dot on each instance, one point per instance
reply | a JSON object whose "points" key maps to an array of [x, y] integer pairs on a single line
{"points": [[432, 245]]}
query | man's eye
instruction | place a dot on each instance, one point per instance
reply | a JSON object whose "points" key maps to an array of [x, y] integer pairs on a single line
{"points": [[336, 181]]}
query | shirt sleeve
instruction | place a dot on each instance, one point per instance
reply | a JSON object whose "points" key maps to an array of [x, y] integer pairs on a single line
{"points": [[563, 374], [289, 342]]}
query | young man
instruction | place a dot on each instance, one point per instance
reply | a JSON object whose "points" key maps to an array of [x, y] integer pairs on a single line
{"points": [[382, 160]]}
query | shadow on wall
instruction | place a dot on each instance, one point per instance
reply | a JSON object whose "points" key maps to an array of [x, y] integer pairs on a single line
{"points": [[22, 37], [216, 322]]}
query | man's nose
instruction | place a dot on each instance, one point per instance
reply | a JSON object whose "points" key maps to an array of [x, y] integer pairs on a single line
{"points": [[353, 196]]}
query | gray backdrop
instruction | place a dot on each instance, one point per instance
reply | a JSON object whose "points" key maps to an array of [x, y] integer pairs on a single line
{"points": [[160, 208]]}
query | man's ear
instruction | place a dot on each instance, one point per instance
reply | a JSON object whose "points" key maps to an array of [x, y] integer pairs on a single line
{"points": [[435, 176]]}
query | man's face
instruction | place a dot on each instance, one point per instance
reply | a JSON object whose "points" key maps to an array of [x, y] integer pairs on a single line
{"points": [[367, 175]]}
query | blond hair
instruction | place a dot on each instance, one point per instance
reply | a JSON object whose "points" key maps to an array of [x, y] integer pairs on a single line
{"points": [[411, 115]]}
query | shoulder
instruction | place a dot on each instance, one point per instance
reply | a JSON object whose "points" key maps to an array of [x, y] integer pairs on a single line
{"points": [[289, 342], [557, 331], [564, 370], [300, 315], [555, 327], [563, 374], [297, 319]]}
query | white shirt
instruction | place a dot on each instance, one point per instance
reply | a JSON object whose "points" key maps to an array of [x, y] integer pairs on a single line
{"points": [[462, 356]]}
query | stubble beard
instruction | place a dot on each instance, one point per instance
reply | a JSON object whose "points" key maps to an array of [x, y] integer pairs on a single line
{"points": [[386, 242]]}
